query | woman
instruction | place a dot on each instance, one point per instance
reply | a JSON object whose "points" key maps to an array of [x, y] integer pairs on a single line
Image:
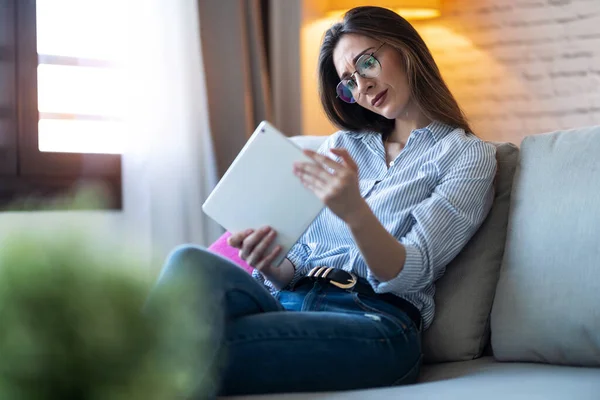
{"points": [[406, 186]]}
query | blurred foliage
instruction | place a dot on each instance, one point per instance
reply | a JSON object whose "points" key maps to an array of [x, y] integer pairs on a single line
{"points": [[75, 323], [85, 196]]}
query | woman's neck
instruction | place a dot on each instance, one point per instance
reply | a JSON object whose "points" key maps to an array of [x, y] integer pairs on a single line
{"points": [[410, 119]]}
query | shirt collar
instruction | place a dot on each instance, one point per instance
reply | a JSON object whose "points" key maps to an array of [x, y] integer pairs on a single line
{"points": [[437, 130], [360, 135]]}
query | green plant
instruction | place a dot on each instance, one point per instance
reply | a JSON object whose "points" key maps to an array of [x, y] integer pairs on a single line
{"points": [[73, 325]]}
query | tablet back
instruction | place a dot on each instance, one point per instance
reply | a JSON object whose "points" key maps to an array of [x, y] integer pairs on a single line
{"points": [[260, 188]]}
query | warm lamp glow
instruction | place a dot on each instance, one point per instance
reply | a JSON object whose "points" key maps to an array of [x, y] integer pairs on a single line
{"points": [[409, 9], [418, 13]]}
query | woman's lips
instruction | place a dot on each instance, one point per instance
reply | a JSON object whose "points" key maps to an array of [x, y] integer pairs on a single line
{"points": [[379, 99]]}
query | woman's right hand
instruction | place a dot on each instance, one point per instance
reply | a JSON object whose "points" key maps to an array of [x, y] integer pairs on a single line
{"points": [[253, 245]]}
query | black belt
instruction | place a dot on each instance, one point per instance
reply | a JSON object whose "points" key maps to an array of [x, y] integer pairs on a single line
{"points": [[348, 281]]}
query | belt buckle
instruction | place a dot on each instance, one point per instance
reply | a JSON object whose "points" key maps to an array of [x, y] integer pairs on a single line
{"points": [[348, 285], [322, 272]]}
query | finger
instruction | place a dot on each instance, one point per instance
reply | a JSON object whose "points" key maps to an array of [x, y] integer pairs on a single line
{"points": [[236, 238], [320, 158], [346, 157], [312, 170], [258, 253], [314, 181], [251, 241], [268, 260], [313, 185]]}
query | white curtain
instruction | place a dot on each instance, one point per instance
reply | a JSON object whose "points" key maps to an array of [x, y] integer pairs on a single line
{"points": [[236, 70], [169, 165]]}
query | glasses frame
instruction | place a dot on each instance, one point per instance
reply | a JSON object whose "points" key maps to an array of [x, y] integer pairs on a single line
{"points": [[351, 77]]}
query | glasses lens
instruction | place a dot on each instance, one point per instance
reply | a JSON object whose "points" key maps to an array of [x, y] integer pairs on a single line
{"points": [[368, 66], [344, 92]]}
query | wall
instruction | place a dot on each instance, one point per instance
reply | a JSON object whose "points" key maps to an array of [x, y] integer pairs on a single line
{"points": [[313, 26], [520, 67], [517, 67], [284, 53]]}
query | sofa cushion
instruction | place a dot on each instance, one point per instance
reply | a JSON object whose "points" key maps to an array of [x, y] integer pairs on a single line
{"points": [[476, 380], [551, 374], [451, 370], [547, 305], [465, 293], [309, 142]]}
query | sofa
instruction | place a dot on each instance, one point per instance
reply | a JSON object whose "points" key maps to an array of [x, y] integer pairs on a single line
{"points": [[518, 310]]}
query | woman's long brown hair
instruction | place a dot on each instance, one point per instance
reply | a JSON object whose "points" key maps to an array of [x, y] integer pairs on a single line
{"points": [[428, 89]]}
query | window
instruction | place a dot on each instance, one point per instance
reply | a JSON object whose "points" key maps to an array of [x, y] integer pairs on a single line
{"points": [[61, 106]]}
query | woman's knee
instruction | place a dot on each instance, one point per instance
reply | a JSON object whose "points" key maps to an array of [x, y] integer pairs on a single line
{"points": [[192, 259]]}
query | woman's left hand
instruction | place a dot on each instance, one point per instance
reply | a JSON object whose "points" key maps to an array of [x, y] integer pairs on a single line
{"points": [[335, 183]]}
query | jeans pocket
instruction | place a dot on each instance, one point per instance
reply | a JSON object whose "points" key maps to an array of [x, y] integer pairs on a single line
{"points": [[368, 306]]}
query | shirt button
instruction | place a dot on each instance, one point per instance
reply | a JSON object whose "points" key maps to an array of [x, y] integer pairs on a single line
{"points": [[391, 163]]}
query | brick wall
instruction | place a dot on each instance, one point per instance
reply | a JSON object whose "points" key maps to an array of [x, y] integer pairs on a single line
{"points": [[519, 67]]}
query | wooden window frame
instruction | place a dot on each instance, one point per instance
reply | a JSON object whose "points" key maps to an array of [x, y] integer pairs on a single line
{"points": [[25, 170], [8, 90]]}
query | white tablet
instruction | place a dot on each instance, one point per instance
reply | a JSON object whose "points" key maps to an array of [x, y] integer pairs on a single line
{"points": [[260, 188]]}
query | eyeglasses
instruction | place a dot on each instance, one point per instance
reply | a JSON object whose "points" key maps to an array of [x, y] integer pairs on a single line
{"points": [[367, 66]]}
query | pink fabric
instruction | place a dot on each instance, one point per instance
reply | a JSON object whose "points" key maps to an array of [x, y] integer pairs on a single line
{"points": [[223, 249]]}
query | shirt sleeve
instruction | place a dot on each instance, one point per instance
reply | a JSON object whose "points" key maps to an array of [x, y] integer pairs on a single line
{"points": [[297, 256], [444, 223]]}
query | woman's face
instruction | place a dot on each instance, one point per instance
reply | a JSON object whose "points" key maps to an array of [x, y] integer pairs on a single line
{"points": [[386, 94]]}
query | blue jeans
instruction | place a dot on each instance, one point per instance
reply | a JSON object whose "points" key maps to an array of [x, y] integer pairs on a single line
{"points": [[315, 338]]}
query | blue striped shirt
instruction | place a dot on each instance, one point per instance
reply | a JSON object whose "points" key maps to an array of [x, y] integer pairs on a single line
{"points": [[432, 198]]}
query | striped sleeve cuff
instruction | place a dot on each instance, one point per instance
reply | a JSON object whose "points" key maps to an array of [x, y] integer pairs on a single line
{"points": [[409, 278], [265, 282], [297, 256]]}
